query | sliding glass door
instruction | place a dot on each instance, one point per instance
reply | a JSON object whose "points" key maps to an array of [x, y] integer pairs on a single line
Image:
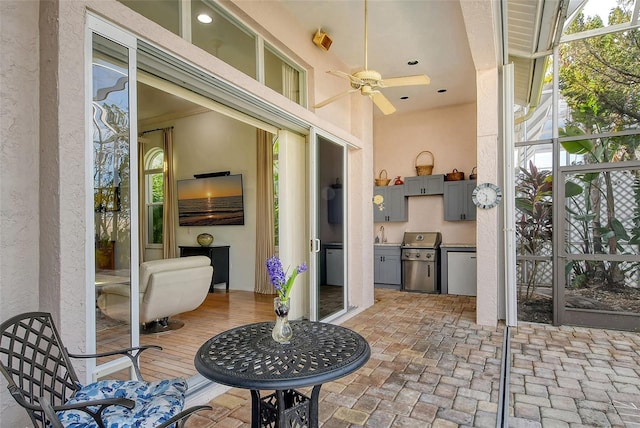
{"points": [[114, 181], [330, 249]]}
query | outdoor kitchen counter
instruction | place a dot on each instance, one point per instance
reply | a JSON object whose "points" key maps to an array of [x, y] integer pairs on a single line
{"points": [[473, 246]]}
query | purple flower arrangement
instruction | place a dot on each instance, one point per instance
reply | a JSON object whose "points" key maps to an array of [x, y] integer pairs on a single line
{"points": [[279, 279]]}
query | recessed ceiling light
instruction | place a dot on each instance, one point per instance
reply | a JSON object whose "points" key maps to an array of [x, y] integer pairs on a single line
{"points": [[440, 91], [413, 62], [205, 19], [404, 98]]}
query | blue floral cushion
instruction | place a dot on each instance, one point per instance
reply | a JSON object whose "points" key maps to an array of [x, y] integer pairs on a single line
{"points": [[156, 402]]}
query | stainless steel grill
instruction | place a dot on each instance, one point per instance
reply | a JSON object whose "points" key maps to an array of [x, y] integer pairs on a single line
{"points": [[420, 260]]}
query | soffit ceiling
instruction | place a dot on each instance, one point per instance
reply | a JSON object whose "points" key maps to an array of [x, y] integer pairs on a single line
{"points": [[531, 30], [430, 31]]}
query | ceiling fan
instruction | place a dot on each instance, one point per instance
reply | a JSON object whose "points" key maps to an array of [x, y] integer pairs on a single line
{"points": [[369, 82]]}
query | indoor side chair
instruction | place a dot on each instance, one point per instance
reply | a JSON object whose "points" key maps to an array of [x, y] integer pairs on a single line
{"points": [[42, 380]]}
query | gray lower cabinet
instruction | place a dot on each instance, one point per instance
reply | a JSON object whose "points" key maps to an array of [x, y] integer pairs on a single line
{"points": [[386, 265], [393, 206], [457, 200], [424, 185]]}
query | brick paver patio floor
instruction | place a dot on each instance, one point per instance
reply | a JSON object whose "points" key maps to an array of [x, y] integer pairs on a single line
{"points": [[432, 366]]}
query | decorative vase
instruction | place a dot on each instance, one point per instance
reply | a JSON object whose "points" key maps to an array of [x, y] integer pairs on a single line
{"points": [[282, 331], [205, 239]]}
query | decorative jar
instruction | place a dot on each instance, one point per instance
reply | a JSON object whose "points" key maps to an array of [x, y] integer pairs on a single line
{"points": [[205, 239], [282, 331]]}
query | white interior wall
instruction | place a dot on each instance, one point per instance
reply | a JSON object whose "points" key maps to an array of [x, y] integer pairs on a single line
{"points": [[450, 134], [211, 142]]}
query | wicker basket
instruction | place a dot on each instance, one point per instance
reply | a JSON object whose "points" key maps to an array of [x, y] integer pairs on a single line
{"points": [[474, 173], [382, 181], [454, 176], [425, 169]]}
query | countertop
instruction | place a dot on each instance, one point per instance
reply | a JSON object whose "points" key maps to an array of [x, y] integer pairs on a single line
{"points": [[334, 245], [389, 244], [454, 245]]}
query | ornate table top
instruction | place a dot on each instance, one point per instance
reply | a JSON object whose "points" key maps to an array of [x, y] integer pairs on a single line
{"points": [[247, 356]]}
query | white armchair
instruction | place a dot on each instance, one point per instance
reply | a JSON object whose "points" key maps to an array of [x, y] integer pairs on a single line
{"points": [[167, 287]]}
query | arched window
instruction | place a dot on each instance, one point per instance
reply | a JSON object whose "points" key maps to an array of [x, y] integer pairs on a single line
{"points": [[154, 194]]}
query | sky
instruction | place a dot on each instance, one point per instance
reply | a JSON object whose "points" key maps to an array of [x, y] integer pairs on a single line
{"points": [[599, 7]]}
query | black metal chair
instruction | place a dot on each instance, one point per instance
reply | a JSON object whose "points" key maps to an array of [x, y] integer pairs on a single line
{"points": [[42, 380]]}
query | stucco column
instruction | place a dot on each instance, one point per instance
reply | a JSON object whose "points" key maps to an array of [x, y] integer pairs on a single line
{"points": [[63, 170], [360, 232], [488, 222]]}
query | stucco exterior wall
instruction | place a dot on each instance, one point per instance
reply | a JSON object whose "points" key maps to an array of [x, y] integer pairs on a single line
{"points": [[19, 176], [450, 134]]}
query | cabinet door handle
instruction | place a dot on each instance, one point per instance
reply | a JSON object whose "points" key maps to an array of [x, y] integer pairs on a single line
{"points": [[429, 270]]}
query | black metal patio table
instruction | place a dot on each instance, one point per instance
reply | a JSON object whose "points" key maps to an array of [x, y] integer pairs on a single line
{"points": [[247, 357]]}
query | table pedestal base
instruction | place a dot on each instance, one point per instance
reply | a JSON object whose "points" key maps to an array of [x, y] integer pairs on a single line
{"points": [[285, 409]]}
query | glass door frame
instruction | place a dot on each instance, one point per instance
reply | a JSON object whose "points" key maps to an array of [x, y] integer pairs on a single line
{"points": [[315, 244], [99, 27]]}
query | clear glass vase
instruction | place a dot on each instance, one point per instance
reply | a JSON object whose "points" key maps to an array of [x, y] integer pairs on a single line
{"points": [[282, 331]]}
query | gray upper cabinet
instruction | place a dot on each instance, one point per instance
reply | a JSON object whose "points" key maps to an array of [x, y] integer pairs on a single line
{"points": [[457, 200], [393, 206], [424, 185]]}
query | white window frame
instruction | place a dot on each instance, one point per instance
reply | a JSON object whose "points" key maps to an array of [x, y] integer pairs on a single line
{"points": [[148, 198]]}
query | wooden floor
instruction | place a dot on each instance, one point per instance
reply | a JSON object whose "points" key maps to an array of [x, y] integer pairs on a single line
{"points": [[220, 311]]}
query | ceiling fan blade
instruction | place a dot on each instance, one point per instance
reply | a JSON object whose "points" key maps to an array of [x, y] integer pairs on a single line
{"points": [[382, 103], [351, 77], [334, 98], [419, 79]]}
